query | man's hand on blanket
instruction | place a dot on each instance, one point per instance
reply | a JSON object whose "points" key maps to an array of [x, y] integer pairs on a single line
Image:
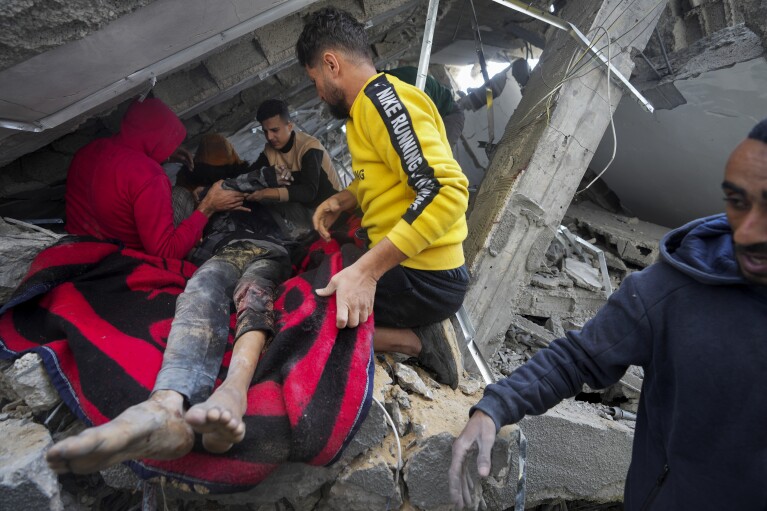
{"points": [[355, 286], [355, 292]]}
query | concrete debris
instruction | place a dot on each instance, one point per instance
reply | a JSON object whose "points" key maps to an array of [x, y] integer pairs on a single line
{"points": [[584, 275], [634, 241], [574, 454], [470, 386], [370, 434], [401, 397], [364, 485], [19, 244], [26, 482], [425, 473], [401, 420], [29, 382], [408, 379]]}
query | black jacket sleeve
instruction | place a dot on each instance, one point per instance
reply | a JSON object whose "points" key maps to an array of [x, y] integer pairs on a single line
{"points": [[306, 182]]}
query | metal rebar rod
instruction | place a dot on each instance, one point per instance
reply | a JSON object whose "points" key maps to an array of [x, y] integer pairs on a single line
{"points": [[663, 51]]}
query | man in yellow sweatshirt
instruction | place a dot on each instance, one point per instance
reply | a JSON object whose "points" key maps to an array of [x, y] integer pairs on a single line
{"points": [[412, 193]]}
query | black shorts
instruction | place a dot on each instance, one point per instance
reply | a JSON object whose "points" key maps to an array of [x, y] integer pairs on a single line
{"points": [[407, 298]]}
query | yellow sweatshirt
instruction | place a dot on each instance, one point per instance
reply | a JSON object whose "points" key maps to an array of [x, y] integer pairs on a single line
{"points": [[407, 183]]}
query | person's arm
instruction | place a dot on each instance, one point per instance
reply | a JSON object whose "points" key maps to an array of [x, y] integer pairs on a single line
{"points": [[440, 187], [619, 335], [153, 214], [306, 182]]}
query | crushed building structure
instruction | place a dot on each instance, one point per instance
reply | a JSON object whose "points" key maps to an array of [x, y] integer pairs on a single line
{"points": [[530, 282]]}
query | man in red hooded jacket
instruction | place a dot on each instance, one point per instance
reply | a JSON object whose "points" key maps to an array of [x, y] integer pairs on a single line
{"points": [[116, 188]]}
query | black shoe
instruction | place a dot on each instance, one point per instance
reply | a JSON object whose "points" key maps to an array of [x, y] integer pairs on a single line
{"points": [[440, 352]]}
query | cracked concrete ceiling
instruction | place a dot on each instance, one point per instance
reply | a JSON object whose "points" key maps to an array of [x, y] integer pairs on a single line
{"points": [[213, 63]]}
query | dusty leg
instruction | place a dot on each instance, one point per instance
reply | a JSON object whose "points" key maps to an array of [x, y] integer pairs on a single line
{"points": [[399, 340], [152, 429], [219, 419]]}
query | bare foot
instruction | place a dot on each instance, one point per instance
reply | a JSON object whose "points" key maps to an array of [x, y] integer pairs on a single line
{"points": [[219, 419], [152, 429]]}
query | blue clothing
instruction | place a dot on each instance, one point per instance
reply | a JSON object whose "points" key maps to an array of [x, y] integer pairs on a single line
{"points": [[698, 329]]}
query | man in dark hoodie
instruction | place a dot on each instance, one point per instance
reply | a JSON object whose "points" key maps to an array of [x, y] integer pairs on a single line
{"points": [[695, 321], [116, 188]]}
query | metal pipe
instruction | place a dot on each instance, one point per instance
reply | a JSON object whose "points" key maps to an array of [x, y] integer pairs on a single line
{"points": [[620, 413], [428, 38]]}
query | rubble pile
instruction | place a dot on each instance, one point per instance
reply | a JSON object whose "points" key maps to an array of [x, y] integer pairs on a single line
{"points": [[578, 451]]}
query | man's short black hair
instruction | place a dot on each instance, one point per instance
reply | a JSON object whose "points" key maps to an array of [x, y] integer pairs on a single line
{"points": [[759, 132], [272, 107], [331, 28]]}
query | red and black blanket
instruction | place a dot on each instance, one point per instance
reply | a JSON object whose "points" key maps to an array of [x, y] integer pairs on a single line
{"points": [[99, 316]]}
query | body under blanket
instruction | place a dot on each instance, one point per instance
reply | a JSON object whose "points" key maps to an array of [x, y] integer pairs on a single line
{"points": [[99, 316]]}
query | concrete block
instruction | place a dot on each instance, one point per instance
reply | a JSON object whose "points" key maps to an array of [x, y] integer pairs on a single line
{"points": [[278, 39], [584, 275], [186, 89], [408, 379], [26, 482], [18, 247], [426, 473], [236, 63], [371, 434], [573, 454], [29, 380], [368, 484]]}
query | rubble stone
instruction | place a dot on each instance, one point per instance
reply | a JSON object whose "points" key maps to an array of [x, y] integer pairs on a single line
{"points": [[408, 379], [371, 433], [363, 486], [425, 473], [573, 453], [18, 247], [584, 275], [470, 386], [26, 482], [30, 382]]}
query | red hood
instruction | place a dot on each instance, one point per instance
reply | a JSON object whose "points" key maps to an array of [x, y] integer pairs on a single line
{"points": [[152, 128]]}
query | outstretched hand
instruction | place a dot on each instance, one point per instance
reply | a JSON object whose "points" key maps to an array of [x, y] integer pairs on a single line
{"points": [[479, 429]]}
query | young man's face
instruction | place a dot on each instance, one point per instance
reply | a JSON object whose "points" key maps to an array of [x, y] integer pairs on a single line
{"points": [[277, 131], [328, 92], [745, 190]]}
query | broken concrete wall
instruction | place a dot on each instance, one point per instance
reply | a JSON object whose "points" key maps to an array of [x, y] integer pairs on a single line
{"points": [[538, 164]]}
